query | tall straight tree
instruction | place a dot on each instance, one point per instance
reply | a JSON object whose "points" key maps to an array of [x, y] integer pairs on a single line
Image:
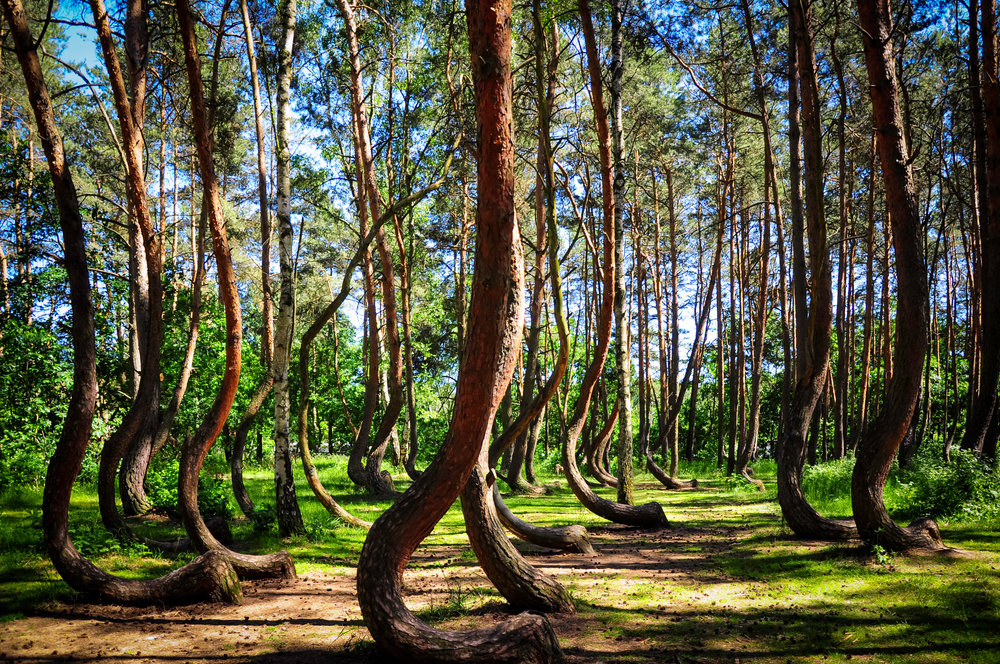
{"points": [[980, 436], [285, 501], [623, 348], [880, 442], [267, 306]]}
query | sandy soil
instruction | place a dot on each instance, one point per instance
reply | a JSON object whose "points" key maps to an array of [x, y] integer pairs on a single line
{"points": [[316, 617], [647, 596]]}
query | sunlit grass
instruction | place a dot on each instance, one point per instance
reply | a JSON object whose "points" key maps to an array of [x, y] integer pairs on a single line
{"points": [[728, 580]]}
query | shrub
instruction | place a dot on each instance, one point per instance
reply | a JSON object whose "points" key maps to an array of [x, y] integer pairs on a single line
{"points": [[213, 493], [965, 488], [828, 480]]}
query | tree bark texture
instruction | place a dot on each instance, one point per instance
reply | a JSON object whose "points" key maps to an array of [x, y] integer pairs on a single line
{"points": [[882, 439], [208, 577], [572, 539], [496, 316], [195, 449], [285, 501], [373, 474], [623, 347], [813, 326], [977, 433], [650, 514]]}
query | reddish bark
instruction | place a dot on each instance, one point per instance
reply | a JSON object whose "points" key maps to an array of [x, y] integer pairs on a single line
{"points": [[882, 439], [195, 449], [209, 576], [650, 514], [812, 326], [496, 316]]}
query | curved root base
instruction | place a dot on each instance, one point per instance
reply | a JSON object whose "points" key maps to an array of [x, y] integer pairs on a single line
{"points": [[572, 539], [272, 566], [527, 638], [650, 515], [921, 535], [665, 479]]}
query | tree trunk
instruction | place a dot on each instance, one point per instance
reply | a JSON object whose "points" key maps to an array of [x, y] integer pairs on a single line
{"points": [[285, 501], [770, 186], [623, 347], [497, 315], [845, 182], [267, 306], [879, 444], [977, 432], [650, 514], [813, 326], [861, 418], [208, 577], [374, 480], [140, 423], [571, 539], [523, 586], [195, 449], [133, 104], [675, 351], [240, 492]]}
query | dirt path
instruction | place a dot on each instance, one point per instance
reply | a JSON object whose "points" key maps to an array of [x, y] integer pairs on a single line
{"points": [[316, 617], [709, 589]]}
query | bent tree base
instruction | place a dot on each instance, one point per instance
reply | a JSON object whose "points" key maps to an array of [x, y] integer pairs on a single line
{"points": [[664, 478], [522, 585], [572, 539]]}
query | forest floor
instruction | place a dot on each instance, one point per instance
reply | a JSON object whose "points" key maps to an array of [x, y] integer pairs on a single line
{"points": [[727, 582]]}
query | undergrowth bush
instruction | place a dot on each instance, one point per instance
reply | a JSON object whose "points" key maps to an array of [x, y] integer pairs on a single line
{"points": [[828, 480], [964, 489], [213, 493]]}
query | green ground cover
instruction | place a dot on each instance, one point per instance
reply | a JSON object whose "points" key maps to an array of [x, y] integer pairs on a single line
{"points": [[727, 581]]}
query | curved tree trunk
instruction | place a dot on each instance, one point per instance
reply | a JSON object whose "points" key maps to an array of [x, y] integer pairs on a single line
{"points": [[495, 321], [135, 463], [623, 346], [664, 477], [240, 492], [572, 539], [195, 449], [374, 480], [208, 577], [812, 326], [312, 477], [140, 423], [595, 454], [881, 441], [650, 514], [544, 592], [521, 584]]}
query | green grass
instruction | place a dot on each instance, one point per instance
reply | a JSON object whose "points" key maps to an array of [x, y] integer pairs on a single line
{"points": [[728, 580]]}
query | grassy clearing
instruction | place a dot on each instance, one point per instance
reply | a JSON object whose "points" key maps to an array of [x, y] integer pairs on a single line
{"points": [[727, 581]]}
